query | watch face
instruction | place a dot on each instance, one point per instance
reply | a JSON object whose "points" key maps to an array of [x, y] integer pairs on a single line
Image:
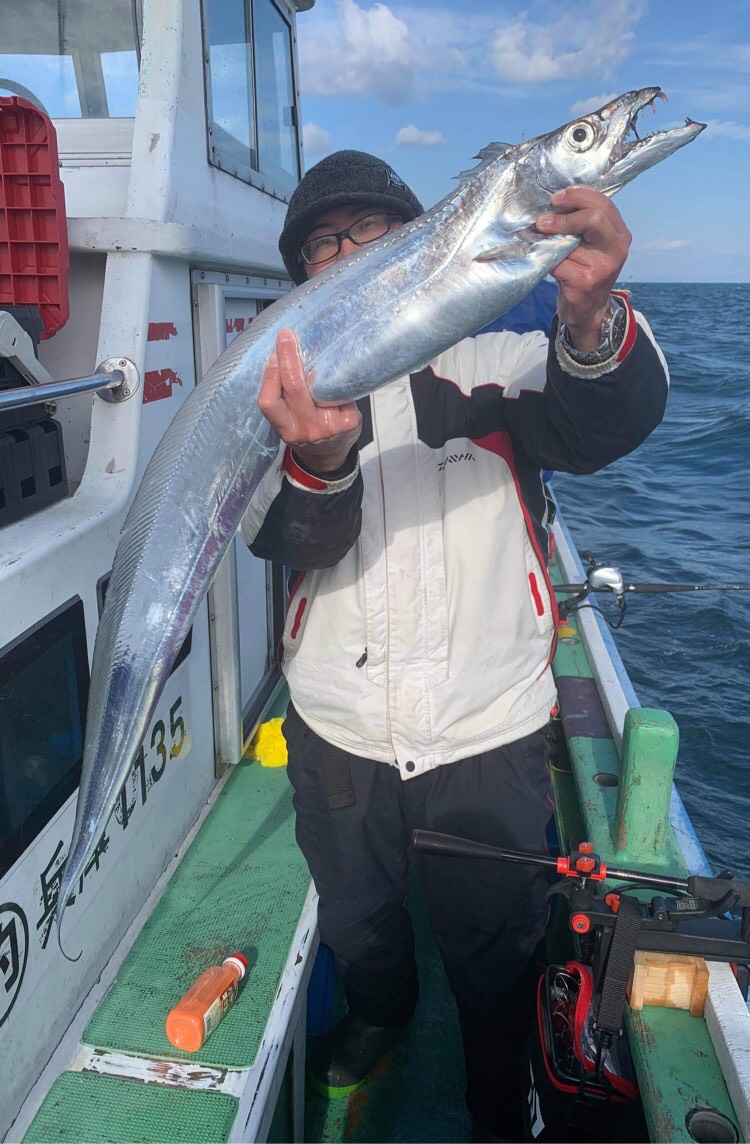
{"points": [[618, 326]]}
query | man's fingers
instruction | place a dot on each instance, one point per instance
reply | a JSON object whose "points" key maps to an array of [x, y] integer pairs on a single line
{"points": [[292, 372], [591, 215], [593, 225], [285, 400], [581, 198], [271, 398]]}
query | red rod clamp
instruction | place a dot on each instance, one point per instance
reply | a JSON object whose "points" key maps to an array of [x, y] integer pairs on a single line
{"points": [[582, 866]]}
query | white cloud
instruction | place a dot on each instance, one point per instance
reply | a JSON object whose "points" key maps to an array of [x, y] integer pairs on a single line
{"points": [[316, 140], [392, 50], [364, 52], [411, 136], [729, 129], [669, 244], [590, 39], [703, 53], [355, 48], [593, 103]]}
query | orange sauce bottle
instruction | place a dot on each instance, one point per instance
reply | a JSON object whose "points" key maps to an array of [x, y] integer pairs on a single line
{"points": [[196, 1015]]}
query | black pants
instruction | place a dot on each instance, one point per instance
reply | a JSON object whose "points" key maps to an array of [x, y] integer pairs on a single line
{"points": [[354, 822]]}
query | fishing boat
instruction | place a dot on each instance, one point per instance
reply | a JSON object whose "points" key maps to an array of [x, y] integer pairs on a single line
{"points": [[147, 151]]}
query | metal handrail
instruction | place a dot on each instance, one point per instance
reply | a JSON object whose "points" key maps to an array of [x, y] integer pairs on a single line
{"points": [[112, 384]]}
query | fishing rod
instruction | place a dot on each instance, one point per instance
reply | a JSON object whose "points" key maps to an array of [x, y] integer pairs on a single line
{"points": [[688, 915], [603, 577]]}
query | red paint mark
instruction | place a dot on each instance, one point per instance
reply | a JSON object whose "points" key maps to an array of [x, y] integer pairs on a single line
{"points": [[236, 325], [359, 1099], [161, 331], [157, 384]]}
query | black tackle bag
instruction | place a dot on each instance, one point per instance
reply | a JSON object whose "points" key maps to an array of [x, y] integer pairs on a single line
{"points": [[564, 1101]]}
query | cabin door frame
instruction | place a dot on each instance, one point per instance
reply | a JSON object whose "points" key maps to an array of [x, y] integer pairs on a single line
{"points": [[246, 602]]}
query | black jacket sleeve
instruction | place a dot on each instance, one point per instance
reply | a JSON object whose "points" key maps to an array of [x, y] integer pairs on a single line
{"points": [[581, 424], [308, 529]]}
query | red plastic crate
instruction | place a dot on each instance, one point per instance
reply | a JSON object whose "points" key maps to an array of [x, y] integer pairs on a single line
{"points": [[34, 257]]}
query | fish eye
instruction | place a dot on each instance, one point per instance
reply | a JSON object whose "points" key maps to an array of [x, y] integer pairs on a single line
{"points": [[580, 136]]}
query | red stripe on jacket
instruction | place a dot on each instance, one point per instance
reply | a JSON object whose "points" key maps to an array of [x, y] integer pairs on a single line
{"points": [[500, 444]]}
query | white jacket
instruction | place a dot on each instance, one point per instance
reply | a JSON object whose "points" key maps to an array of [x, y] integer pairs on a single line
{"points": [[430, 639]]}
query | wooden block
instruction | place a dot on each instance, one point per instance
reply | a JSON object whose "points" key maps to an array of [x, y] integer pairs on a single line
{"points": [[674, 980]]}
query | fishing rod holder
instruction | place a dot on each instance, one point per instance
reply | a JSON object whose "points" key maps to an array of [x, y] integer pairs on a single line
{"points": [[687, 916]]}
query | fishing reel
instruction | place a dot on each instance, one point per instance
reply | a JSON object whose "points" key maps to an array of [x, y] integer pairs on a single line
{"points": [[607, 578], [600, 577]]}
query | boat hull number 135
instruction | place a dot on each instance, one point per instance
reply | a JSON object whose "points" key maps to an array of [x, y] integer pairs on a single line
{"points": [[165, 740]]}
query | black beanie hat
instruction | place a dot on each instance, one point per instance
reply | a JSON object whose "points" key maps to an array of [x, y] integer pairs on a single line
{"points": [[344, 177]]}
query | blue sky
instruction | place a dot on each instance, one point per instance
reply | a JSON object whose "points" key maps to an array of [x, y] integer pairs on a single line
{"points": [[426, 84]]}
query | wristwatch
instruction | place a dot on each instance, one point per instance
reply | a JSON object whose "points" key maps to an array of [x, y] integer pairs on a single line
{"points": [[613, 331]]}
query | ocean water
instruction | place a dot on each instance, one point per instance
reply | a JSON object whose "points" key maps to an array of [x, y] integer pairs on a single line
{"points": [[678, 510]]}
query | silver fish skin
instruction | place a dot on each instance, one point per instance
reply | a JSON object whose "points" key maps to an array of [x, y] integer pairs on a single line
{"points": [[383, 312]]}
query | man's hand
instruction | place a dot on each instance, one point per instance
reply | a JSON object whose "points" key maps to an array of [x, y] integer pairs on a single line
{"points": [[586, 277], [321, 436]]}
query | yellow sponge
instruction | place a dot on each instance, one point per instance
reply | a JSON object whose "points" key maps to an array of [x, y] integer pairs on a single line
{"points": [[268, 745]]}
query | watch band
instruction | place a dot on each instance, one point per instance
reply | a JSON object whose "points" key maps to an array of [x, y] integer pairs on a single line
{"points": [[613, 332]]}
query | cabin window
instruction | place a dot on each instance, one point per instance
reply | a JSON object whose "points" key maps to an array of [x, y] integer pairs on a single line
{"points": [[74, 59], [277, 119], [230, 85], [251, 94], [44, 680]]}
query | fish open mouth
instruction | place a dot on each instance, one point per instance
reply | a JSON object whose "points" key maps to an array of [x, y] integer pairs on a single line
{"points": [[633, 152], [630, 140]]}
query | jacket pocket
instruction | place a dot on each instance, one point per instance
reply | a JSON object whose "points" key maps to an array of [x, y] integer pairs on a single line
{"points": [[541, 598], [297, 611]]}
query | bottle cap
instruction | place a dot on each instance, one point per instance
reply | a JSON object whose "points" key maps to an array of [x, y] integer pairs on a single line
{"points": [[239, 961]]}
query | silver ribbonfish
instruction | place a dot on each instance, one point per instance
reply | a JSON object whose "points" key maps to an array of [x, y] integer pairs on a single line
{"points": [[384, 311]]}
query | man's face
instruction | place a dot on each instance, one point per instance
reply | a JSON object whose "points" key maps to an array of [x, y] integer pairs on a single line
{"points": [[335, 220]]}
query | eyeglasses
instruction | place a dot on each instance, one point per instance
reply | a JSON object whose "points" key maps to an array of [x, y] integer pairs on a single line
{"points": [[361, 232]]}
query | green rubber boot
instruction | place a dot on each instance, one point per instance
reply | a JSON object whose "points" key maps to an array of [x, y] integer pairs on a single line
{"points": [[339, 1061]]}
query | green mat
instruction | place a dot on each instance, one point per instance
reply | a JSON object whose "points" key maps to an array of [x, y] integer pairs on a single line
{"points": [[240, 888], [88, 1106]]}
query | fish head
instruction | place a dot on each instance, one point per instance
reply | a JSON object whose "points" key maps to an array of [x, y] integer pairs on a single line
{"points": [[603, 149]]}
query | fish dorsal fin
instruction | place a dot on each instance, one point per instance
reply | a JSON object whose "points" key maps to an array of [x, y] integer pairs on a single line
{"points": [[487, 155], [494, 150]]}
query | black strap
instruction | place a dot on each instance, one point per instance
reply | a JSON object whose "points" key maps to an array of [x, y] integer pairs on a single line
{"points": [[619, 967], [336, 778]]}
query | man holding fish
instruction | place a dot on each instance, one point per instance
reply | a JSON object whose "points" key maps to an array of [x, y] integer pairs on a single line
{"points": [[421, 621]]}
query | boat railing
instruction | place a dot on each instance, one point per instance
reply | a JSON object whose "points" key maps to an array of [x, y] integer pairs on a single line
{"points": [[115, 380]]}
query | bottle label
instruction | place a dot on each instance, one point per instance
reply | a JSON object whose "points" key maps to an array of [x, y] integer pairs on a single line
{"points": [[216, 1012]]}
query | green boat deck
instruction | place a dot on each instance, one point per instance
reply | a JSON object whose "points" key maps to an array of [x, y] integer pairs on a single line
{"points": [[240, 887]]}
